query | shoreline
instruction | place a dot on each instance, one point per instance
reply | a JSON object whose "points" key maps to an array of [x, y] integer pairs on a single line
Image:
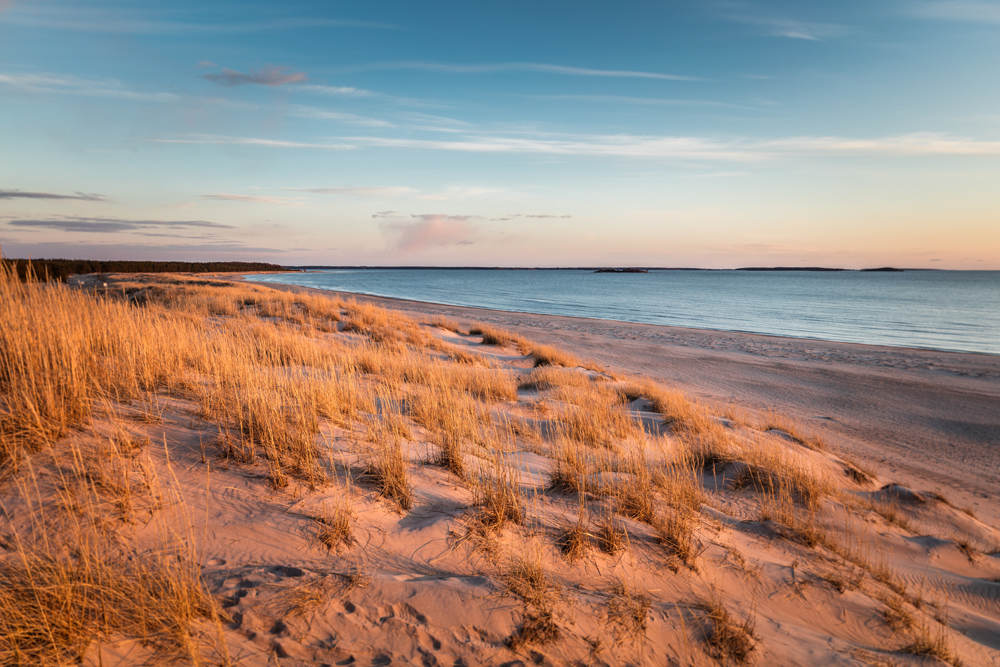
{"points": [[372, 295], [927, 418]]}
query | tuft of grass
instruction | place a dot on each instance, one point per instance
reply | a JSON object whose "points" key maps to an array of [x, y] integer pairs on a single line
{"points": [[442, 322], [726, 639], [575, 541], [525, 577], [536, 629], [546, 355], [334, 528], [773, 420], [612, 537], [636, 498], [596, 417], [388, 467], [675, 532], [896, 615], [550, 377], [498, 337], [497, 495], [628, 609], [858, 473], [934, 644]]}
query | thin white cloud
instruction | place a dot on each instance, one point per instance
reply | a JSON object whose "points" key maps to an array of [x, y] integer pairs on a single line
{"points": [[333, 91], [459, 192], [918, 144], [215, 140], [301, 111], [364, 191], [119, 21], [70, 85], [644, 146], [545, 68], [958, 10], [792, 29], [645, 101], [250, 199]]}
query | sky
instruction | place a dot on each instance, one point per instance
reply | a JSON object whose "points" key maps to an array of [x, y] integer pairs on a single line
{"points": [[688, 134]]}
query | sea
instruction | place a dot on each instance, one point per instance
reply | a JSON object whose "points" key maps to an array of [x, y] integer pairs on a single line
{"points": [[955, 311]]}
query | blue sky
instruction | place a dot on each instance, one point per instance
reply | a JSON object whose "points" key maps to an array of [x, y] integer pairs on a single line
{"points": [[716, 134]]}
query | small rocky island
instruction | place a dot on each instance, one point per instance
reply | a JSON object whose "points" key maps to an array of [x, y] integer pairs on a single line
{"points": [[621, 271]]}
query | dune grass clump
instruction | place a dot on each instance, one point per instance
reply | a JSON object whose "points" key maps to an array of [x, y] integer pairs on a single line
{"points": [[389, 470], [52, 608], [628, 610], [536, 629], [499, 337], [934, 644], [675, 532], [611, 535], [526, 578], [773, 420], [67, 578], [497, 490], [334, 527], [596, 417], [575, 540], [550, 377], [442, 322], [726, 639], [571, 469], [388, 467], [546, 355]]}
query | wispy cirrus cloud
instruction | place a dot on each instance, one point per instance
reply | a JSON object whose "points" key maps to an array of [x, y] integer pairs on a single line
{"points": [[250, 199], [429, 230], [958, 10], [459, 192], [780, 26], [739, 149], [542, 68], [645, 101], [71, 85], [361, 191], [334, 91], [301, 111], [539, 216], [216, 140], [19, 194], [110, 225], [268, 76], [136, 22], [679, 147]]}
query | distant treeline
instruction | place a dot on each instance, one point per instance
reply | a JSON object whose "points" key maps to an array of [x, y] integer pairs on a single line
{"points": [[61, 269]]}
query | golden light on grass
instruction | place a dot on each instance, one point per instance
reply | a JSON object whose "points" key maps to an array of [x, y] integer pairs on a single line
{"points": [[555, 472]]}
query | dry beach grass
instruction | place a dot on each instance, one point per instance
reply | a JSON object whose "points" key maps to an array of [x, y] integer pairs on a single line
{"points": [[203, 471]]}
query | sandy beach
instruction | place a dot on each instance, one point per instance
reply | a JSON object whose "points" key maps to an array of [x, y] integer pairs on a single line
{"points": [[218, 472], [928, 418]]}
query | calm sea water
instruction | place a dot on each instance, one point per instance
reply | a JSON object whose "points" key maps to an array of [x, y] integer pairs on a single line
{"points": [[944, 310]]}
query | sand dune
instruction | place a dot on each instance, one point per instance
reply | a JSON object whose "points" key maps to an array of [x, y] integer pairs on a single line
{"points": [[428, 498]]}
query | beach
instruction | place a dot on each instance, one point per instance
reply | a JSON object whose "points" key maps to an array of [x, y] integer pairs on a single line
{"points": [[223, 472], [930, 418]]}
